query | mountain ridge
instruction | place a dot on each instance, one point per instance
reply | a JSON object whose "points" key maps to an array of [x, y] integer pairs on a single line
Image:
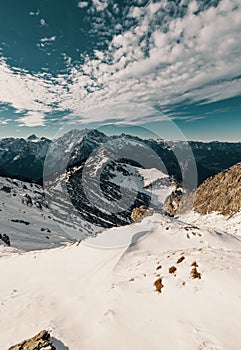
{"points": [[24, 158]]}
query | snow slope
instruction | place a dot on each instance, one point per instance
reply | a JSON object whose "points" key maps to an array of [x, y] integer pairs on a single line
{"points": [[28, 227], [230, 224], [94, 298], [151, 175], [58, 222]]}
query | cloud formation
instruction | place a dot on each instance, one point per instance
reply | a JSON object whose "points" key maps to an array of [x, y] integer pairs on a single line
{"points": [[162, 54], [82, 4]]}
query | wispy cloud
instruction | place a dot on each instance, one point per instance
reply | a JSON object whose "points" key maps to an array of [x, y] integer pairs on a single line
{"points": [[43, 22], [165, 54], [34, 13], [100, 5], [82, 4], [33, 118], [4, 121]]}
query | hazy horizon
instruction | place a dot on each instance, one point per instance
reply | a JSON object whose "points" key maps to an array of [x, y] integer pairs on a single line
{"points": [[116, 133]]}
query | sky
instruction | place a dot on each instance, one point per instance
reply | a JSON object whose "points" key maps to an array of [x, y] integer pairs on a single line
{"points": [[160, 66]]}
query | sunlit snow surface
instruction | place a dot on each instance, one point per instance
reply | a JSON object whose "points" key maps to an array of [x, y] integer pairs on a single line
{"points": [[92, 298], [100, 292]]}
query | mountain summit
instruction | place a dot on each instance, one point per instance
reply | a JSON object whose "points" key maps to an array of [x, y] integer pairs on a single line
{"points": [[32, 137]]}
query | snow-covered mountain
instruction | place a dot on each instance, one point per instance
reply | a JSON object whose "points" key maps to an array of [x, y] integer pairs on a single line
{"points": [[109, 184], [166, 284], [33, 220], [162, 282], [24, 158]]}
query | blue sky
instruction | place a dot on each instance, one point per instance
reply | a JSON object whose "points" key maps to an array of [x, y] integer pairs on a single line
{"points": [[108, 63]]}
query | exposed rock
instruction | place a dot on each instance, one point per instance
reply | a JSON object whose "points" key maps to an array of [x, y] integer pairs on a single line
{"points": [[27, 200], [20, 221], [173, 201], [220, 193], [180, 259], [138, 213], [195, 274], [39, 342], [6, 189], [45, 229], [5, 238], [158, 284], [172, 269]]}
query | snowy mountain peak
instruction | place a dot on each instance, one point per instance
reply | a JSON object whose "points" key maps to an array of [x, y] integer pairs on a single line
{"points": [[32, 137]]}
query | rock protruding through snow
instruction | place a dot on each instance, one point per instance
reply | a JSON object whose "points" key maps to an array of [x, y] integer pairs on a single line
{"points": [[138, 213], [39, 342]]}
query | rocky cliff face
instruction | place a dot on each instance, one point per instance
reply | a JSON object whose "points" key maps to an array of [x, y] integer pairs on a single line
{"points": [[220, 193]]}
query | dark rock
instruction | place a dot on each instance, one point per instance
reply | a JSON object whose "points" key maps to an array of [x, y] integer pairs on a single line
{"points": [[20, 221], [5, 238], [6, 189]]}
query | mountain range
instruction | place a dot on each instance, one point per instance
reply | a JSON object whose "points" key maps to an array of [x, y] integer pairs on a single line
{"points": [[24, 158], [108, 280]]}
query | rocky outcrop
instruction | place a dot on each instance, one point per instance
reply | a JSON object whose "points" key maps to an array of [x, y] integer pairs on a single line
{"points": [[220, 193], [5, 238], [39, 342], [172, 202], [139, 213]]}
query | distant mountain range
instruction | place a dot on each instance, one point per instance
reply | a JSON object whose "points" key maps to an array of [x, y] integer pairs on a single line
{"points": [[24, 158]]}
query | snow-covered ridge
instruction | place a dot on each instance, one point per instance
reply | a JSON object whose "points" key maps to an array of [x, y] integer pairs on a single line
{"points": [[93, 298]]}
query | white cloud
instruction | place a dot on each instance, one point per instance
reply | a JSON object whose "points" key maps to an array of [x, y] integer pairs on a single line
{"points": [[154, 7], [82, 4], [193, 7], [32, 118], [99, 54], [100, 5], [43, 22], [36, 13], [135, 12], [196, 57], [44, 40], [24, 91]]}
